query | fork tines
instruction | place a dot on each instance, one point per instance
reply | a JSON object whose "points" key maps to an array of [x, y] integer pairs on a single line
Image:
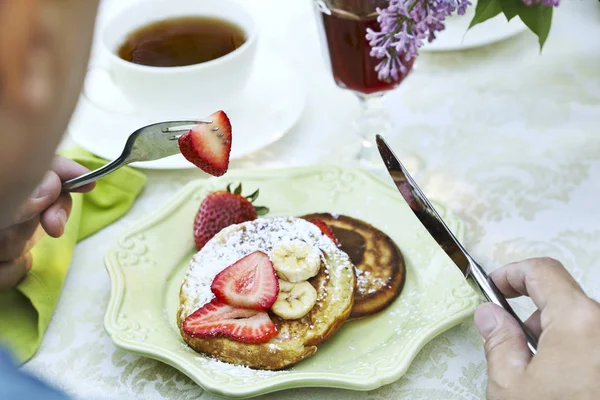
{"points": [[179, 126]]}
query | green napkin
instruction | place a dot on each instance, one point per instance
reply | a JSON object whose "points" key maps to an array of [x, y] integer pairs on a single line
{"points": [[26, 310]]}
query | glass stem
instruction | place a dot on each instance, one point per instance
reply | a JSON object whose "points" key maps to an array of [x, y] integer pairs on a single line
{"points": [[373, 120]]}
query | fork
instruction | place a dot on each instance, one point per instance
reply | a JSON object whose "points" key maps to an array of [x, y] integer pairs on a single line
{"points": [[152, 142]]}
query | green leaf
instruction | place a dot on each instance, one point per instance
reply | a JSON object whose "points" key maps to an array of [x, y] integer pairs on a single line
{"points": [[510, 8], [238, 190], [261, 210], [538, 18], [253, 196], [229, 188], [485, 10]]}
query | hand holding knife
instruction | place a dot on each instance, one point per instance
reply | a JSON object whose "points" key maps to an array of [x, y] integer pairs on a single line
{"points": [[436, 227]]}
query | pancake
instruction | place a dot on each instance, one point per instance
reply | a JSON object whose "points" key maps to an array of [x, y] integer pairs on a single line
{"points": [[296, 339], [380, 269]]}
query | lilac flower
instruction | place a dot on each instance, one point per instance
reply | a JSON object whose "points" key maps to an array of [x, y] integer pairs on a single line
{"points": [[406, 24]]}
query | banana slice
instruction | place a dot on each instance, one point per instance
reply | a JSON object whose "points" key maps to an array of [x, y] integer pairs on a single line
{"points": [[295, 260], [295, 300]]}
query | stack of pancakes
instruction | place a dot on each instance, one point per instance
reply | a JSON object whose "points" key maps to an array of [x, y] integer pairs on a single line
{"points": [[359, 278], [379, 265]]}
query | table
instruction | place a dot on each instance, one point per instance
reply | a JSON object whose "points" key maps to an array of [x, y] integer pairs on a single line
{"points": [[508, 138]]}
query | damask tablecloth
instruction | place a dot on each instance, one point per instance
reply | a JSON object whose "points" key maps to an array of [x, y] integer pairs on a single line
{"points": [[507, 137]]}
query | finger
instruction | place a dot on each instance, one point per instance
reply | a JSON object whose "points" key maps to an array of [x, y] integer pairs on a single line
{"points": [[506, 350], [543, 279], [67, 169], [42, 197], [54, 219], [534, 323], [11, 273], [17, 239]]}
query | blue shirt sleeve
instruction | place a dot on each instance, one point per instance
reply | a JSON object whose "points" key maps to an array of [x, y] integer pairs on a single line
{"points": [[19, 385]]}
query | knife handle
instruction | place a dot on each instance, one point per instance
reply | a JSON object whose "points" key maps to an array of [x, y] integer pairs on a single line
{"points": [[491, 292]]}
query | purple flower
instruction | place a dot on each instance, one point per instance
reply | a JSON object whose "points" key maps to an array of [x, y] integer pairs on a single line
{"points": [[406, 24]]}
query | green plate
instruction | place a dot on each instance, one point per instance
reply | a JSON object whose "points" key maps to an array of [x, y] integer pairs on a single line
{"points": [[148, 262]]}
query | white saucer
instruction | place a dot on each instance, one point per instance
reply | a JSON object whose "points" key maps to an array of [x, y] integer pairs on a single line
{"points": [[457, 37], [268, 107]]}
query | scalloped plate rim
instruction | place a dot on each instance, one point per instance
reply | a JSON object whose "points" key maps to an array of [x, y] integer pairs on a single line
{"points": [[276, 382]]}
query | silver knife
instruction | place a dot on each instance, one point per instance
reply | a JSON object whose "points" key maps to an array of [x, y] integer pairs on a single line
{"points": [[436, 227]]}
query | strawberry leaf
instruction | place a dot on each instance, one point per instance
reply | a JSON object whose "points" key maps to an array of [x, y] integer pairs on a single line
{"points": [[261, 210], [238, 190], [538, 18], [485, 10], [229, 188], [253, 196]]}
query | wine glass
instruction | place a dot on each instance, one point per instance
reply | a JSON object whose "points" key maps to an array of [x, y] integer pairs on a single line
{"points": [[343, 27]]}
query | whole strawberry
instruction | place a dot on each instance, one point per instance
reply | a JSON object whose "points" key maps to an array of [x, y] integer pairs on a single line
{"points": [[222, 209]]}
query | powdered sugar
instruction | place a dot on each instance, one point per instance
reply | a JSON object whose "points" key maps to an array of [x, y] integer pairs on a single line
{"points": [[239, 371], [366, 284], [237, 241]]}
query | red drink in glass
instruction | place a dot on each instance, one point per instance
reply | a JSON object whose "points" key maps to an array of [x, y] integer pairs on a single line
{"points": [[343, 28], [351, 64]]}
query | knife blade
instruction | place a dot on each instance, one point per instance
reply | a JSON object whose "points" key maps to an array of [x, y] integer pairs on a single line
{"points": [[437, 228]]}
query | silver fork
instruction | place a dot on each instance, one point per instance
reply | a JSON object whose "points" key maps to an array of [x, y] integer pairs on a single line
{"points": [[151, 142]]}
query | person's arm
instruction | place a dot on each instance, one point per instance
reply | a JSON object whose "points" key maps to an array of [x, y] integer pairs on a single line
{"points": [[567, 363], [44, 50], [15, 384]]}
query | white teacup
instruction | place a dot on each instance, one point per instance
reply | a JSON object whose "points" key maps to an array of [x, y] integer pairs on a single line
{"points": [[194, 90]]}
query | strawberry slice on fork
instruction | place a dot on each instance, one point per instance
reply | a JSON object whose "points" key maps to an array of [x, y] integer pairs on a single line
{"points": [[208, 145]]}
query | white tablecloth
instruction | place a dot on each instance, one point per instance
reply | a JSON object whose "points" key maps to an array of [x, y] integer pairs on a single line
{"points": [[508, 138]]}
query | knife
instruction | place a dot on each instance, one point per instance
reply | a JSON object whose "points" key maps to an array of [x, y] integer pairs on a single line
{"points": [[437, 228]]}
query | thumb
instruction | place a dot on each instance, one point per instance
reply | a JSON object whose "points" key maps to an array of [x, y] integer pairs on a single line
{"points": [[505, 346], [42, 197]]}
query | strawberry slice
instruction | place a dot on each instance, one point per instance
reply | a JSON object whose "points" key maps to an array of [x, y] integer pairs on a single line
{"points": [[250, 282], [325, 229], [208, 146], [216, 319]]}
